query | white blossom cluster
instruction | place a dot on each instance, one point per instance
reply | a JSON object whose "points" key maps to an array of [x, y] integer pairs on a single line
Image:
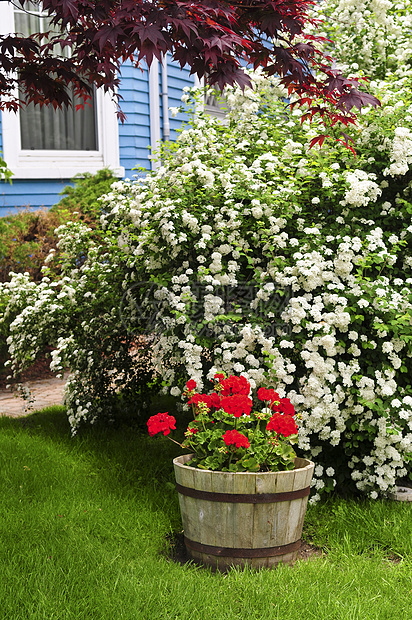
{"points": [[369, 35]]}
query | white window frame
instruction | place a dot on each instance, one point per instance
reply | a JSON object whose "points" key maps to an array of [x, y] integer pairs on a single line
{"points": [[209, 104], [59, 164]]}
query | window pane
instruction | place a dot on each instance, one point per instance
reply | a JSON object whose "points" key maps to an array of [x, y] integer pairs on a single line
{"points": [[67, 129], [213, 105], [26, 24], [43, 128]]}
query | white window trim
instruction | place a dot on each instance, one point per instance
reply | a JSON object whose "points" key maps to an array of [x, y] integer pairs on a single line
{"points": [[205, 106], [154, 111], [56, 164]]}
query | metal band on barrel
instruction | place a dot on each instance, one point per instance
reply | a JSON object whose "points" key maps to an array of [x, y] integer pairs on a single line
{"points": [[265, 552], [243, 498]]}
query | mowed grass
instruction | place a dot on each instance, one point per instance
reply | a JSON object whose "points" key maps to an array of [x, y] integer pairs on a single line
{"points": [[84, 525]]}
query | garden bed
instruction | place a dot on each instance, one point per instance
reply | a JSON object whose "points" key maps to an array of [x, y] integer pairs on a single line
{"points": [[39, 370]]}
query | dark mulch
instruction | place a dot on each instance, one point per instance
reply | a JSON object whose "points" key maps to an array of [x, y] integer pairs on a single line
{"points": [[175, 550], [39, 370]]}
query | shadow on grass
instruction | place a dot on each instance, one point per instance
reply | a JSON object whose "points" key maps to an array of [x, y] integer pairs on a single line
{"points": [[122, 455]]}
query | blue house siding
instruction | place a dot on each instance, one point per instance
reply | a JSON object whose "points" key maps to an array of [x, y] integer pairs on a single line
{"points": [[134, 137], [134, 133], [177, 80], [31, 194]]}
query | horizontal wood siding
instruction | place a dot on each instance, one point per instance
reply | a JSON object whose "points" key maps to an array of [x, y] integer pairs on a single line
{"points": [[134, 133], [177, 80], [30, 194]]}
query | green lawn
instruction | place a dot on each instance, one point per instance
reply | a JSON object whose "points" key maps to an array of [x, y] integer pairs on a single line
{"points": [[85, 524]]}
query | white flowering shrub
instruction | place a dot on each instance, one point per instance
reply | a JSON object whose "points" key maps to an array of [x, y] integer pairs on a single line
{"points": [[374, 36], [249, 253], [78, 314]]}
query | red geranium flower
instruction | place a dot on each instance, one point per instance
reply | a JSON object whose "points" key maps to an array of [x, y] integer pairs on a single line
{"points": [[161, 423], [215, 400], [235, 385], [282, 425], [268, 395], [219, 376], [286, 406], [283, 406], [191, 384], [263, 394], [237, 405], [201, 398], [234, 438]]}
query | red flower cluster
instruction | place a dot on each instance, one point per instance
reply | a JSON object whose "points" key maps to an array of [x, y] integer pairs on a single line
{"points": [[211, 400], [284, 406], [282, 424], [199, 398], [216, 447], [161, 423], [235, 385], [191, 431], [237, 405], [234, 438], [268, 395]]}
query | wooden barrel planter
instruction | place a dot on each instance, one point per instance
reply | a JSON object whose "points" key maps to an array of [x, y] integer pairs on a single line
{"points": [[242, 518]]}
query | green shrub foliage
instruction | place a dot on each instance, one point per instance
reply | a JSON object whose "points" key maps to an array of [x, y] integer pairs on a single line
{"points": [[27, 238], [85, 192]]}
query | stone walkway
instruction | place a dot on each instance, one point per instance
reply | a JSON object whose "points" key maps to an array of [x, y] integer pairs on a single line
{"points": [[45, 392]]}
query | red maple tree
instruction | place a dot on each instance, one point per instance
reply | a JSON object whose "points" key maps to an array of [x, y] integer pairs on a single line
{"points": [[214, 37]]}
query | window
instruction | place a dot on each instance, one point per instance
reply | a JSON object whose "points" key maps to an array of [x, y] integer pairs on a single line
{"points": [[40, 142], [211, 103], [213, 106], [45, 128]]}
